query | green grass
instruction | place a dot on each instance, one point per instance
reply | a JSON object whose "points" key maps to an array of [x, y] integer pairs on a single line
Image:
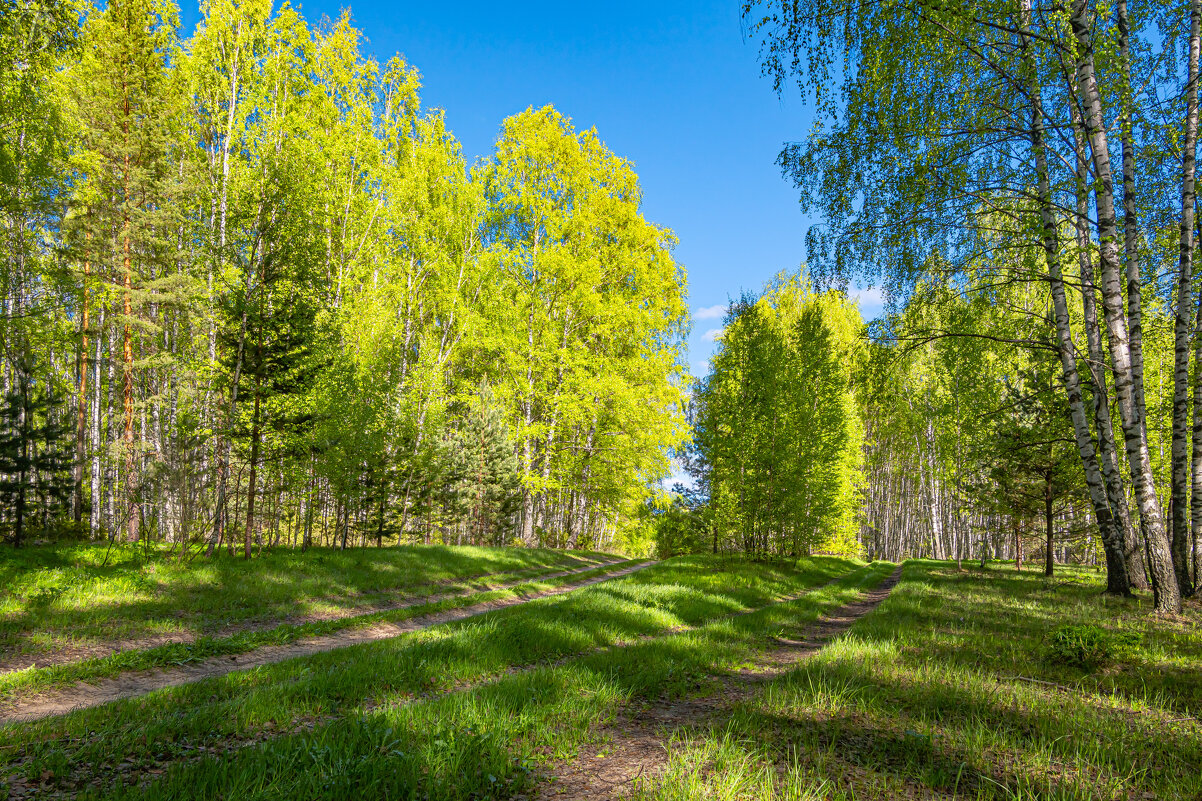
{"points": [[77, 596], [723, 766], [440, 713], [21, 683], [957, 687]]}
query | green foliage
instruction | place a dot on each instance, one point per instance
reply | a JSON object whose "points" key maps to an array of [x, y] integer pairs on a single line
{"points": [[34, 39], [34, 464], [590, 312], [271, 281], [679, 527], [1086, 646], [778, 427], [967, 415], [484, 479]]}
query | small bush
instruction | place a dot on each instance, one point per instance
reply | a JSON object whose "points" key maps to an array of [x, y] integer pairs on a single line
{"points": [[1087, 647]]}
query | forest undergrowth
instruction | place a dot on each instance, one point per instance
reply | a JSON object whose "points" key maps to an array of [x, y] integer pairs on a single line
{"points": [[960, 686], [465, 710], [85, 597]]}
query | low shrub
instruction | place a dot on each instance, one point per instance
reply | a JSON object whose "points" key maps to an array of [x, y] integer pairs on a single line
{"points": [[1086, 646]]}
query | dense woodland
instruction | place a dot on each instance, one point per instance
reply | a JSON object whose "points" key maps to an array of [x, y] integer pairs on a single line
{"points": [[336, 464], [1032, 168], [254, 294], [1020, 182], [778, 436]]}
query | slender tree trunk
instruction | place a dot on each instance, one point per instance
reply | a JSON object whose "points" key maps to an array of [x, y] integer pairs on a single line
{"points": [[1107, 449], [23, 471], [380, 520], [1018, 543], [127, 394], [1164, 584], [307, 506], [527, 532], [223, 459], [1050, 523], [254, 463], [1196, 471], [81, 427], [94, 515], [1134, 546], [1181, 483], [255, 421], [110, 430], [1116, 580], [1130, 217]]}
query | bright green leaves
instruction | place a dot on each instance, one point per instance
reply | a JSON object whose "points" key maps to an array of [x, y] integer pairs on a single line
{"points": [[303, 310], [778, 422], [590, 312]]}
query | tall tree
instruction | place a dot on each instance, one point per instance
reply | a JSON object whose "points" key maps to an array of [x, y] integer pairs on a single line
{"points": [[124, 98], [950, 120]]}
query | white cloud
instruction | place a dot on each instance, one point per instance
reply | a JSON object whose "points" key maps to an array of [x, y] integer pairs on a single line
{"points": [[709, 313], [868, 297], [678, 475], [870, 301], [711, 335]]}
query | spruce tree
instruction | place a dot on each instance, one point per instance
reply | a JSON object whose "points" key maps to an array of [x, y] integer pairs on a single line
{"points": [[484, 485], [35, 458]]}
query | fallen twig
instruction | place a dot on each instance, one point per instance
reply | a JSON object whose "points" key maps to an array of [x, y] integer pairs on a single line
{"points": [[1036, 681]]}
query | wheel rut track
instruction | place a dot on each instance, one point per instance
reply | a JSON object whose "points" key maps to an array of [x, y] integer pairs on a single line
{"points": [[397, 599], [138, 683], [634, 746], [651, 743]]}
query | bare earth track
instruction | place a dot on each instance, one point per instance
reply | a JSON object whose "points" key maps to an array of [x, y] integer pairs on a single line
{"points": [[633, 746], [130, 685], [389, 600], [21, 789]]}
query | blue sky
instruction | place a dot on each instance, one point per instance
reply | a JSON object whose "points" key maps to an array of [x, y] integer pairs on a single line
{"points": [[672, 86]]}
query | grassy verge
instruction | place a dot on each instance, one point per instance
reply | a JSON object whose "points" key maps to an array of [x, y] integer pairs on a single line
{"points": [[960, 686], [57, 596], [378, 720], [18, 683]]}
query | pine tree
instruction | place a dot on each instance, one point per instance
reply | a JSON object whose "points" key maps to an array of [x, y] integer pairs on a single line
{"points": [[1029, 462], [273, 332], [125, 105]]}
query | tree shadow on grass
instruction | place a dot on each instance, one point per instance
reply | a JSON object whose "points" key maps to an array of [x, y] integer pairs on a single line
{"points": [[135, 599], [382, 676]]}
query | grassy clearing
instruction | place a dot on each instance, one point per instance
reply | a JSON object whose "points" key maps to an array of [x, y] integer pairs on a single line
{"points": [[723, 766], [81, 596], [956, 686], [439, 713], [20, 683]]}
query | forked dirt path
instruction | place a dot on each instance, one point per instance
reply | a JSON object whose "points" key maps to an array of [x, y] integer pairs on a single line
{"points": [[128, 685], [397, 599], [633, 746]]}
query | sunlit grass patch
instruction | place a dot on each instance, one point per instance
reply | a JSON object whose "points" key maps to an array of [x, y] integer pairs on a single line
{"points": [[945, 690], [725, 768], [23, 682], [59, 596], [231, 729]]}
